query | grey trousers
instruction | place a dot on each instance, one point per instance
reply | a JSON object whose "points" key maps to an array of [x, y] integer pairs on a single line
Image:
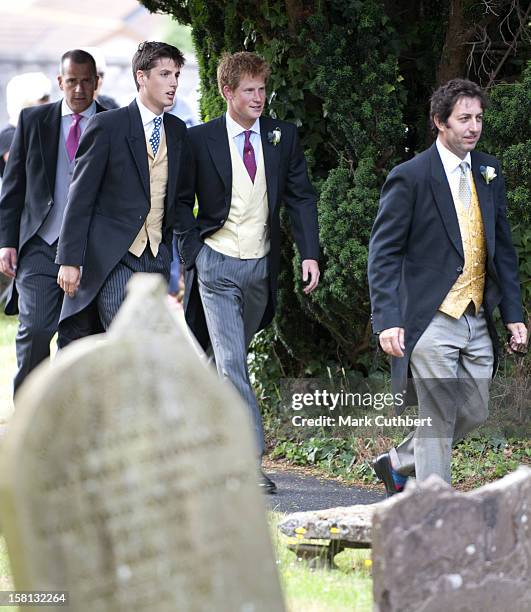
{"points": [[39, 302], [452, 367], [234, 294]]}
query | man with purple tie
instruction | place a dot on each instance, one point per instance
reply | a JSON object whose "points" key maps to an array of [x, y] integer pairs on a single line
{"points": [[244, 167], [32, 203]]}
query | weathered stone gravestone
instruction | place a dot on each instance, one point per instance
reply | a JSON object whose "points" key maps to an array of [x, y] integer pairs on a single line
{"points": [[128, 476], [437, 550]]}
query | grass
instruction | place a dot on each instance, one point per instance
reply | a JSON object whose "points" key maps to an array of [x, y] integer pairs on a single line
{"points": [[322, 590], [8, 329], [6, 582]]}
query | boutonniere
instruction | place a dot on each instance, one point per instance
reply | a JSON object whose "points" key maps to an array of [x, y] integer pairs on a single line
{"points": [[274, 136], [488, 173]]}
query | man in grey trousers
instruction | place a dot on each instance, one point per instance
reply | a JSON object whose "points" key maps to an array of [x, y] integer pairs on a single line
{"points": [[243, 167], [440, 261]]}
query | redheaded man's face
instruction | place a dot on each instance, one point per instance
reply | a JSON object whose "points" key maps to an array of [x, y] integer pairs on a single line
{"points": [[246, 103]]}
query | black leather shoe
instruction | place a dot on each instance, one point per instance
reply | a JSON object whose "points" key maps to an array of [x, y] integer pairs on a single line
{"points": [[382, 468], [266, 484]]}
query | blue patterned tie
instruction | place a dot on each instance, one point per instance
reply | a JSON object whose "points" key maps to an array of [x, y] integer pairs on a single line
{"points": [[154, 141]]}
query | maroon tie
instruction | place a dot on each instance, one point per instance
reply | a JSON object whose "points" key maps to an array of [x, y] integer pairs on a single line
{"points": [[74, 134], [248, 155]]}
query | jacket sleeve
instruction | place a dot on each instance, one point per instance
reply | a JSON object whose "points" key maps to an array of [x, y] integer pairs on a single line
{"points": [[186, 226], [91, 162], [300, 200], [387, 248], [13, 189]]}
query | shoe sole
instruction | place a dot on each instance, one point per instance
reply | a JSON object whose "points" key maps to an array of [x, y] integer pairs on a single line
{"points": [[383, 476]]}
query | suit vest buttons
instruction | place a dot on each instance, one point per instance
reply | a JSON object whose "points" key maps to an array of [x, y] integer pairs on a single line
{"points": [[50, 203], [459, 270]]}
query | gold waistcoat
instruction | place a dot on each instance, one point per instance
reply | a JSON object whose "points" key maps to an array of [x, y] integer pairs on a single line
{"points": [[158, 182], [471, 283]]}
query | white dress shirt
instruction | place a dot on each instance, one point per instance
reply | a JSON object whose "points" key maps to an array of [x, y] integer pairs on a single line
{"points": [[451, 164], [147, 117], [237, 133], [66, 117]]}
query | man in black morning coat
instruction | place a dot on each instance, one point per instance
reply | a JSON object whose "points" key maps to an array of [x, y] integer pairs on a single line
{"points": [[121, 206], [244, 167], [441, 260], [32, 204]]}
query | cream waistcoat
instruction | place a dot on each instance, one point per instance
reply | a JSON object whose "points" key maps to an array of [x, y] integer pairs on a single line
{"points": [[245, 234]]}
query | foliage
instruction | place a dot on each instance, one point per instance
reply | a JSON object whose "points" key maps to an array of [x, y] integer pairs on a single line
{"points": [[475, 461], [508, 137], [356, 76]]}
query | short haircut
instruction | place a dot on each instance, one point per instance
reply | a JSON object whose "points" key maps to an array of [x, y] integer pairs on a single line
{"points": [[148, 53], [444, 99], [78, 56], [233, 66]]}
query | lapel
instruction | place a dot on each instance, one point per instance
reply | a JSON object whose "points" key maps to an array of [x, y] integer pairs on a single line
{"points": [[486, 205], [443, 199], [218, 146], [137, 144], [271, 155], [49, 131], [173, 146]]}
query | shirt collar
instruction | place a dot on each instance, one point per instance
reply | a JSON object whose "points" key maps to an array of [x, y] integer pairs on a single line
{"points": [[145, 114], [88, 112], [235, 129], [450, 160]]}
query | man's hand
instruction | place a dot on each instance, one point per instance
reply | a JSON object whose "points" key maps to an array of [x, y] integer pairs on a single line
{"points": [[68, 279], [518, 340], [310, 271], [392, 341], [8, 261]]}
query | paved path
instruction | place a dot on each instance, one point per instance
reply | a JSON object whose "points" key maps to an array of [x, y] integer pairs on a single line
{"points": [[298, 492]]}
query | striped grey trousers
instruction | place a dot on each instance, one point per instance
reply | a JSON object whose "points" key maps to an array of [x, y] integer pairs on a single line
{"points": [[234, 293], [112, 293]]}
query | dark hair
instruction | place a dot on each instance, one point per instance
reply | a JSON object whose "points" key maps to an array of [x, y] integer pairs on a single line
{"points": [[148, 53], [78, 56], [233, 66], [444, 99]]}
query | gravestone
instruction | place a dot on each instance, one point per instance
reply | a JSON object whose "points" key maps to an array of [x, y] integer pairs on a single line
{"points": [[435, 549], [129, 476]]}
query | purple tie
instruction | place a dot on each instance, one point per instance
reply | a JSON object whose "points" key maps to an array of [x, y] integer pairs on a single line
{"points": [[248, 155], [74, 134]]}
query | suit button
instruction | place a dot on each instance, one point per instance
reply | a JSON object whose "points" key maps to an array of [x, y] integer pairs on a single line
{"points": [[459, 269], [50, 203], [222, 223]]}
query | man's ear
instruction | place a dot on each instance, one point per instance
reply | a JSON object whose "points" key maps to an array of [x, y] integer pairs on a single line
{"points": [[227, 92], [140, 76], [60, 81], [438, 123]]}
